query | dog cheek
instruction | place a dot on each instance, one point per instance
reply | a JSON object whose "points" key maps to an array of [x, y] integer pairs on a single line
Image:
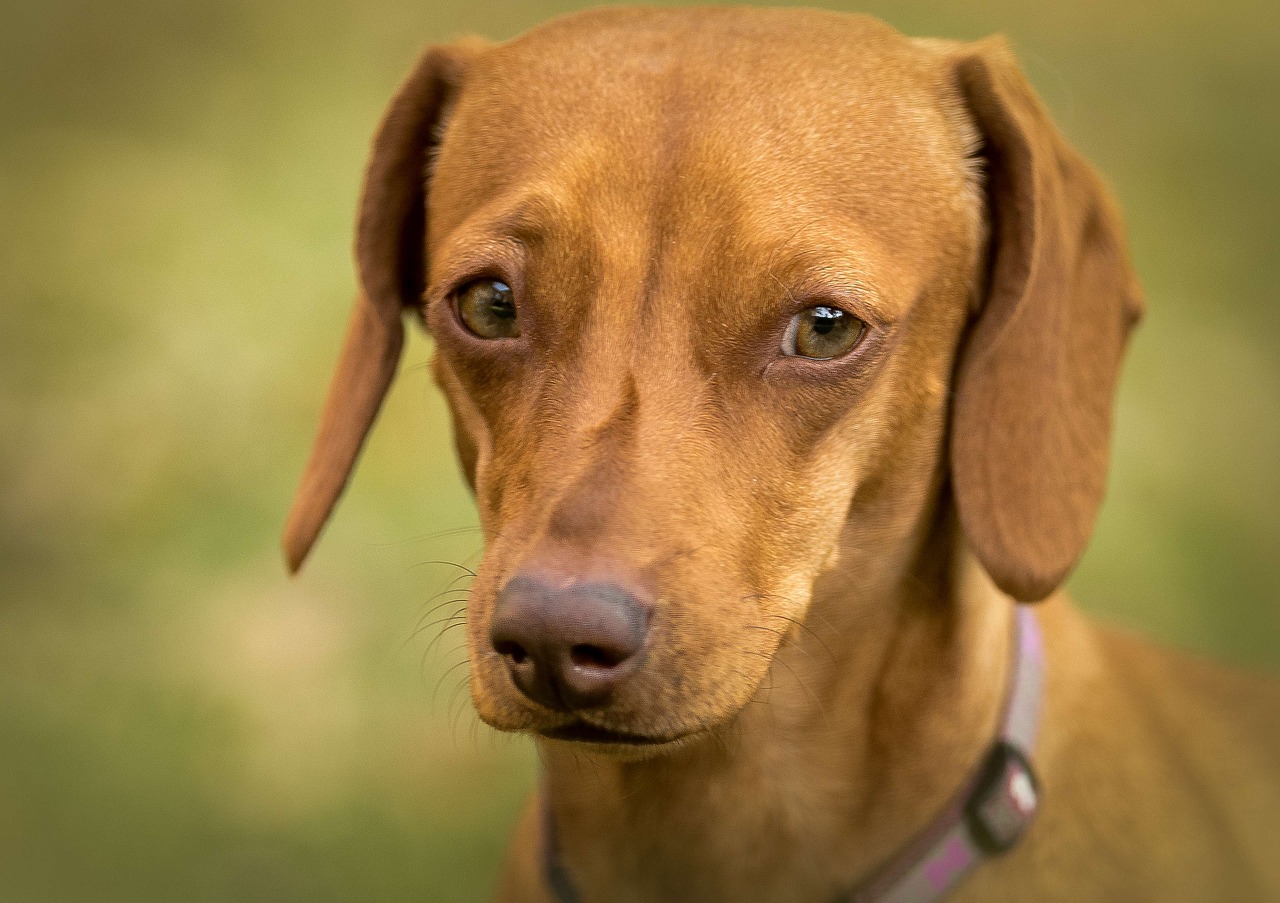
{"points": [[832, 561], [495, 707], [495, 699], [815, 533], [504, 482], [471, 434], [491, 691], [726, 650]]}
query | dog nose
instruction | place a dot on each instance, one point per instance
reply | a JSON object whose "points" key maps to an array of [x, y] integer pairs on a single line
{"points": [[569, 646]]}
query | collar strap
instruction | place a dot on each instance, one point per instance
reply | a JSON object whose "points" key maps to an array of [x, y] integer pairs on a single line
{"points": [[993, 809], [988, 817]]}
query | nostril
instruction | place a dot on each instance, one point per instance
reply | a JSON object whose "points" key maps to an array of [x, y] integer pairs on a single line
{"points": [[585, 655], [568, 645], [512, 650]]}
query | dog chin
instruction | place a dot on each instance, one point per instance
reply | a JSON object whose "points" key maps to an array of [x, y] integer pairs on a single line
{"points": [[625, 752], [584, 737]]}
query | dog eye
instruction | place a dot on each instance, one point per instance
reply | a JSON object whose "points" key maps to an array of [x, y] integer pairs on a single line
{"points": [[821, 333], [487, 308]]}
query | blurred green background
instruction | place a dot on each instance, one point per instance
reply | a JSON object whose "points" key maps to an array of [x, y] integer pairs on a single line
{"points": [[178, 721]]}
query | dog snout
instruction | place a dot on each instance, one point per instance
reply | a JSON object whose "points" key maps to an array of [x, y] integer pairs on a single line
{"points": [[569, 645]]}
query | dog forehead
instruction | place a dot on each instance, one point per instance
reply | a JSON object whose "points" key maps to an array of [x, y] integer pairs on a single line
{"points": [[625, 91], [593, 47]]}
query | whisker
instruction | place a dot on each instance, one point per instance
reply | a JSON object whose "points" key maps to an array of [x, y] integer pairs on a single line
{"points": [[456, 695], [775, 632], [452, 564], [455, 600], [421, 627], [798, 623], [427, 537], [804, 688], [451, 586], [461, 603], [454, 667], [462, 622], [813, 633]]}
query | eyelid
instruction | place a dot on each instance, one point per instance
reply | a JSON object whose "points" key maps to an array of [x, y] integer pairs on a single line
{"points": [[500, 259], [855, 305], [848, 288], [457, 285], [458, 290]]}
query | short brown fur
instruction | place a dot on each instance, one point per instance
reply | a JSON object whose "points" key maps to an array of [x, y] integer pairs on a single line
{"points": [[833, 545]]}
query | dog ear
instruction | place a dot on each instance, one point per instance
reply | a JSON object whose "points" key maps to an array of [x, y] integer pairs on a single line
{"points": [[390, 251], [1037, 373]]}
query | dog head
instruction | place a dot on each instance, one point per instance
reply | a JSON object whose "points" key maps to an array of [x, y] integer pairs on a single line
{"points": [[723, 300]]}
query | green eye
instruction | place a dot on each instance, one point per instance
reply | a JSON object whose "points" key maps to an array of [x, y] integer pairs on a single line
{"points": [[821, 333], [488, 309]]}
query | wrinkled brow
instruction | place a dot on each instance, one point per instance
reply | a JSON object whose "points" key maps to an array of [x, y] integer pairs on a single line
{"points": [[503, 231], [527, 216], [808, 271]]}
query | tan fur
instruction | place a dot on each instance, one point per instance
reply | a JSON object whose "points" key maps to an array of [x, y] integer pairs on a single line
{"points": [[832, 545]]}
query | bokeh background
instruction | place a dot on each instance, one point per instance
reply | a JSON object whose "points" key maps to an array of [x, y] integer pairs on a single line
{"points": [[179, 721]]}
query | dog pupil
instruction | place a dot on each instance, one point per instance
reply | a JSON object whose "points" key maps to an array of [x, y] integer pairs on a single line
{"points": [[500, 301], [825, 320]]}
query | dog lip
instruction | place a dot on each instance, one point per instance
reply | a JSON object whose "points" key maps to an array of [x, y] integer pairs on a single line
{"points": [[586, 732]]}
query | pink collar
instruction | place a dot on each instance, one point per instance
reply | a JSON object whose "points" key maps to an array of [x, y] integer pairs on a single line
{"points": [[986, 818]]}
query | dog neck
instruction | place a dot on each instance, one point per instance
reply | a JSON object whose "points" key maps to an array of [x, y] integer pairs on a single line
{"points": [[874, 714]]}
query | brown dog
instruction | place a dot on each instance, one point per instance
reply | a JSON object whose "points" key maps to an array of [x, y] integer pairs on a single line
{"points": [[781, 352]]}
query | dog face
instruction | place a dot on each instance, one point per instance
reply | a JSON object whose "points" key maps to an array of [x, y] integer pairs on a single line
{"points": [[709, 289]]}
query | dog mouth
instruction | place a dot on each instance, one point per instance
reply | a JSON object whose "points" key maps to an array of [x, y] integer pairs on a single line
{"points": [[585, 732]]}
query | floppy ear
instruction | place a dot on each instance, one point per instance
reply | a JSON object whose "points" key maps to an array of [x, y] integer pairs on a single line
{"points": [[390, 252], [1036, 377]]}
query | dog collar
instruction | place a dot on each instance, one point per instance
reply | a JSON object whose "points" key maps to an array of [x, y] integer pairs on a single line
{"points": [[985, 819]]}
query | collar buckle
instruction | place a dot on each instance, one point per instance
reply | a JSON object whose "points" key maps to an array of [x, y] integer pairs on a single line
{"points": [[1004, 800]]}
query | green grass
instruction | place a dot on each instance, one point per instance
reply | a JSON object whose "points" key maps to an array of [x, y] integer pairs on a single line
{"points": [[178, 721]]}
